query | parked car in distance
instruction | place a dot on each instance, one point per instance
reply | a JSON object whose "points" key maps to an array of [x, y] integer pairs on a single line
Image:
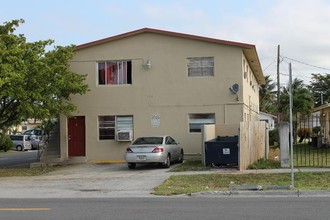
{"points": [[154, 149], [21, 141], [34, 132], [37, 137], [36, 143]]}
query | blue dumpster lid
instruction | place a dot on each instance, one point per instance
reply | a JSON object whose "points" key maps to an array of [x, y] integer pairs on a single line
{"points": [[224, 139]]}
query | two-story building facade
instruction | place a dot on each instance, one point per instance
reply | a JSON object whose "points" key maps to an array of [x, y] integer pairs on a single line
{"points": [[149, 82]]}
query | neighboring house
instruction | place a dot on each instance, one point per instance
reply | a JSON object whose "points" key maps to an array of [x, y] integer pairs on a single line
{"points": [[311, 121], [26, 125], [324, 115], [148, 82], [269, 119]]}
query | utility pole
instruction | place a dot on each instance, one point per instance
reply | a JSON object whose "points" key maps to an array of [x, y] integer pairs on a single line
{"points": [[291, 126], [278, 84], [322, 98]]}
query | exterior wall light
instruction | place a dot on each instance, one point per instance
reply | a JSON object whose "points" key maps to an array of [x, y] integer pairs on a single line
{"points": [[147, 64]]}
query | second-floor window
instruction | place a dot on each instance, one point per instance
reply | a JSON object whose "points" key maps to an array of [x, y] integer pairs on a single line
{"points": [[200, 66], [115, 72]]}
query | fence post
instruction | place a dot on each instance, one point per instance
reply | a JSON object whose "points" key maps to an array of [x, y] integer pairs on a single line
{"points": [[267, 141], [284, 143]]}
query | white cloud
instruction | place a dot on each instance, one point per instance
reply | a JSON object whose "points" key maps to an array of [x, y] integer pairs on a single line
{"points": [[299, 26]]}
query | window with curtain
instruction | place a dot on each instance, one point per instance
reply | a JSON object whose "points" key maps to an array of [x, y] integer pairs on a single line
{"points": [[115, 72], [197, 120], [200, 66], [108, 125]]}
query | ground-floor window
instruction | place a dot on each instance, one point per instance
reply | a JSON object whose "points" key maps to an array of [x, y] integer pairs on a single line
{"points": [[109, 124], [197, 120]]}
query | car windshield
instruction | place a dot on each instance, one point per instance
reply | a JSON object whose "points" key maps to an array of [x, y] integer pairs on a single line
{"points": [[148, 140]]}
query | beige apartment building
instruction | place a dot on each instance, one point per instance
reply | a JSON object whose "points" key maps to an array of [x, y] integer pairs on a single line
{"points": [[155, 82]]}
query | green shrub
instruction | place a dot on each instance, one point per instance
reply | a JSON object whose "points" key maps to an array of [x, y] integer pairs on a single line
{"points": [[316, 130], [5, 143], [304, 133], [265, 164]]}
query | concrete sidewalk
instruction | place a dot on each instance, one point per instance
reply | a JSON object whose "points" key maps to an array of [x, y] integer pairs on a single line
{"points": [[116, 180]]}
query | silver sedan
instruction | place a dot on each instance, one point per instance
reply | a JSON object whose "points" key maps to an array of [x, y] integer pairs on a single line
{"points": [[154, 149]]}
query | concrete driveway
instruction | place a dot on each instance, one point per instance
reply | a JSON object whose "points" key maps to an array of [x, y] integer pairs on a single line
{"points": [[86, 180]]}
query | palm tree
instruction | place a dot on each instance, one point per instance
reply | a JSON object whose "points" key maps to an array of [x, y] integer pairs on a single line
{"points": [[319, 85], [267, 96], [303, 102]]}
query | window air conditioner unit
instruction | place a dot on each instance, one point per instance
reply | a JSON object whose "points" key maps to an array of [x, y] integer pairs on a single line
{"points": [[124, 135]]}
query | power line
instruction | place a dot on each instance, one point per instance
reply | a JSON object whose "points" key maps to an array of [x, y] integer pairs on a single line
{"points": [[304, 63], [297, 72], [269, 65]]}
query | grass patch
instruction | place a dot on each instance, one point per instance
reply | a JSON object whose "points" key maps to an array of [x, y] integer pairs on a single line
{"points": [[186, 184], [35, 171], [8, 152], [265, 164], [190, 165], [306, 156]]}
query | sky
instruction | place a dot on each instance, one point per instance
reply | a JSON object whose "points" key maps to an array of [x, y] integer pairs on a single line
{"points": [[300, 27]]}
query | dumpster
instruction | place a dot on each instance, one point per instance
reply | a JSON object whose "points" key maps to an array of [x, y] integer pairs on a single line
{"points": [[222, 151], [317, 141]]}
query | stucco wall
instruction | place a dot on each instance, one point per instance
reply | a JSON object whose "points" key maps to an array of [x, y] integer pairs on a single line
{"points": [[164, 90], [250, 92]]}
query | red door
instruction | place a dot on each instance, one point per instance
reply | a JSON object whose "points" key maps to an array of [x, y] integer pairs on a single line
{"points": [[76, 136]]}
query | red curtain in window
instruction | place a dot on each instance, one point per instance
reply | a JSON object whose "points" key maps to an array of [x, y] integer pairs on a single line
{"points": [[116, 73], [114, 79], [110, 72]]}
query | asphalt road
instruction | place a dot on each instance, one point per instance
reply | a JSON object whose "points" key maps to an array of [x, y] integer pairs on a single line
{"points": [[18, 158], [166, 208]]}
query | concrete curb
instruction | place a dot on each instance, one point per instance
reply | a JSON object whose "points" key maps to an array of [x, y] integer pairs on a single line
{"points": [[264, 193]]}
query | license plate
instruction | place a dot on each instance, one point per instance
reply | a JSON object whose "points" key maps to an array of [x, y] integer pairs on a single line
{"points": [[142, 157]]}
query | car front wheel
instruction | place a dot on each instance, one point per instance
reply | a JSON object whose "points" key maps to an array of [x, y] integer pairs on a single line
{"points": [[19, 148], [181, 157]]}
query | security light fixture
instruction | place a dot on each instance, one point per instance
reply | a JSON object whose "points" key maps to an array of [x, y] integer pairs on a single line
{"points": [[147, 64]]}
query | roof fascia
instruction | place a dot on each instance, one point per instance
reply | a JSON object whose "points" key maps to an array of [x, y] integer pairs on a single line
{"points": [[249, 50]]}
